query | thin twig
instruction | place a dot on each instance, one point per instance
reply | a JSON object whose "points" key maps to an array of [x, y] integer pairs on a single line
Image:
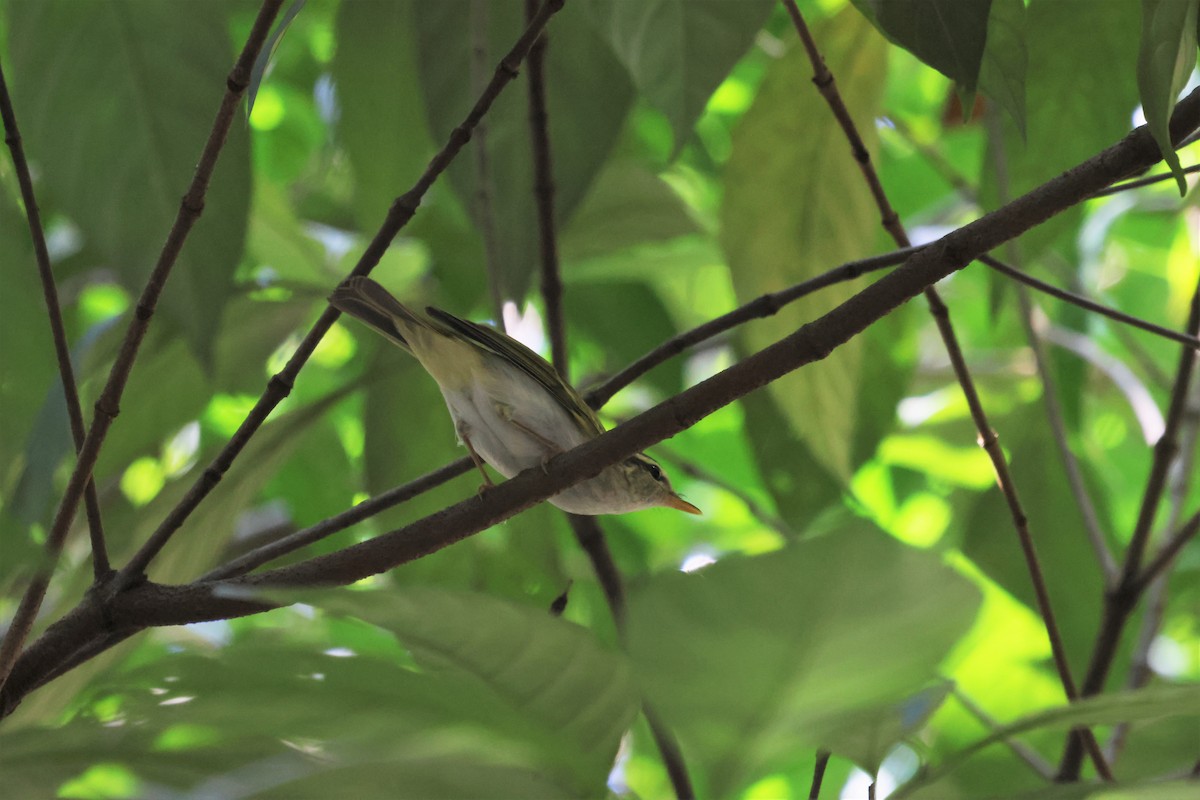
{"points": [[62, 351], [1090, 305], [1030, 757], [1121, 597], [1136, 394], [108, 405], [484, 206], [1155, 577], [1140, 182], [756, 509], [543, 192], [150, 604], [759, 308], [587, 530], [327, 527], [1054, 414], [824, 81], [401, 211], [1166, 555], [814, 788]]}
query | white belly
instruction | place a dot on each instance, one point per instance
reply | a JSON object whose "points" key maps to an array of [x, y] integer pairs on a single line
{"points": [[497, 422]]}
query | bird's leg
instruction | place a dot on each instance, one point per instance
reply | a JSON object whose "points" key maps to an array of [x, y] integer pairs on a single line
{"points": [[466, 440]]}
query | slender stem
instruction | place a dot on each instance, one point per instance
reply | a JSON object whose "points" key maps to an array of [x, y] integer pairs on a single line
{"points": [[402, 210], [1136, 394], [150, 604], [1054, 414], [756, 509], [1154, 578], [814, 789], [1164, 449], [58, 332], [108, 405], [1158, 565], [1121, 597], [763, 306], [543, 192], [484, 205], [327, 527], [1090, 305], [1027, 754], [587, 530], [1140, 182], [824, 81]]}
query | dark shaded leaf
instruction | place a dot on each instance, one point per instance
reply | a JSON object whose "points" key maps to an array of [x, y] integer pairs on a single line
{"points": [[588, 94], [117, 160], [679, 51], [948, 35], [1166, 58], [1003, 71]]}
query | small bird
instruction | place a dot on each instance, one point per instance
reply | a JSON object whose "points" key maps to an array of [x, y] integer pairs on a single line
{"points": [[510, 407]]}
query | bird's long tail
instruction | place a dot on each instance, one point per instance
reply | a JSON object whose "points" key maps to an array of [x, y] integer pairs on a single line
{"points": [[366, 300]]}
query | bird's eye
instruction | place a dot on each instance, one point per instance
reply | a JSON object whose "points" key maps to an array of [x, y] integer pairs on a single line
{"points": [[654, 471]]}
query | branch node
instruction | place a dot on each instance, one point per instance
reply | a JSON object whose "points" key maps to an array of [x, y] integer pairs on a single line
{"points": [[213, 475], [192, 205], [280, 384]]}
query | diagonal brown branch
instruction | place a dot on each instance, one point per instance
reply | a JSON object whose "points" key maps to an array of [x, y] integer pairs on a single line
{"points": [[108, 405], [62, 351], [402, 210], [151, 604], [762, 306]]}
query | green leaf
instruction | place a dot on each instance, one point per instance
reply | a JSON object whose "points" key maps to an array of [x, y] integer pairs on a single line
{"points": [[588, 95], [795, 206], [1078, 79], [628, 320], [1153, 703], [555, 675], [1002, 72], [1166, 57], [117, 159], [323, 724], [679, 51], [628, 205], [1071, 574], [382, 123], [753, 658], [867, 737], [948, 35]]}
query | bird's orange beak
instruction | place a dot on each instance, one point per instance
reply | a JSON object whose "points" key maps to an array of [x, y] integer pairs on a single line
{"points": [[675, 501]]}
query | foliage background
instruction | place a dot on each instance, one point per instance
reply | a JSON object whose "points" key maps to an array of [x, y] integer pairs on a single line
{"points": [[865, 558]]}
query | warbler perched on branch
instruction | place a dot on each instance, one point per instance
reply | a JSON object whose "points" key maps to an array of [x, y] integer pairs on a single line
{"points": [[510, 407]]}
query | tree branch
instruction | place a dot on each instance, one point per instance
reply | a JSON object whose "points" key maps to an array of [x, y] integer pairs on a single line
{"points": [[108, 404], [1121, 597], [762, 306], [62, 351], [152, 604], [1090, 305], [483, 165], [402, 210]]}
